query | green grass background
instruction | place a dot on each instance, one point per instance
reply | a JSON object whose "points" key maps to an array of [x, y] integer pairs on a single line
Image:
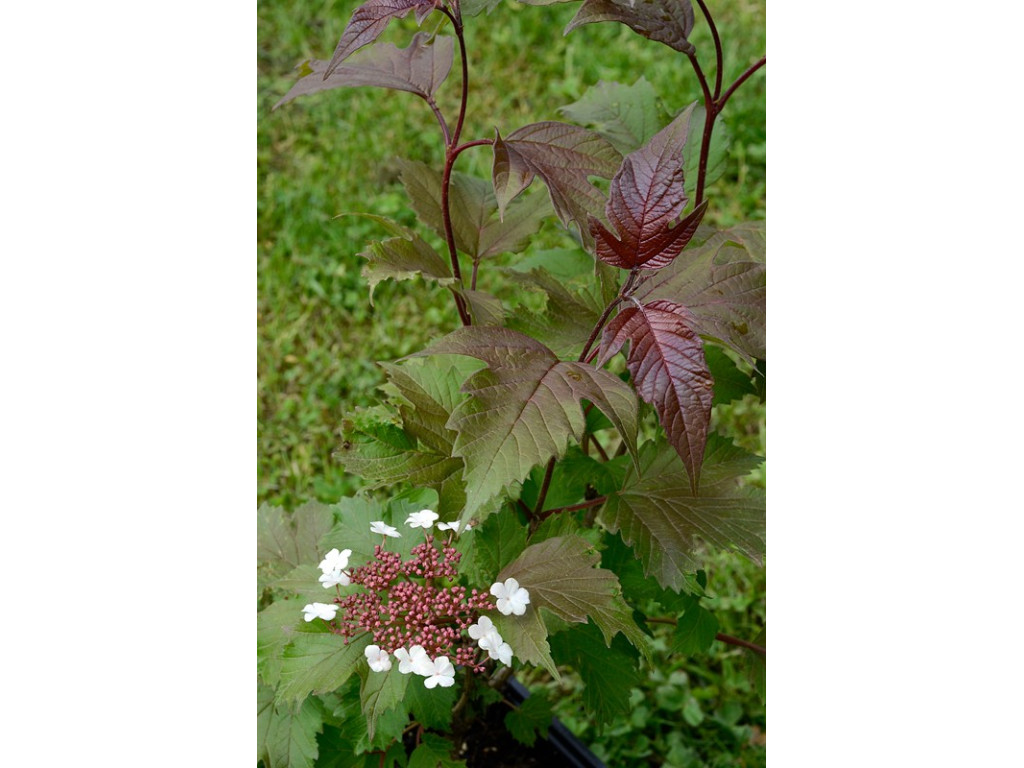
{"points": [[319, 337]]}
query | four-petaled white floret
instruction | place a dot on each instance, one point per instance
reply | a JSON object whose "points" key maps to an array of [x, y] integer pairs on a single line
{"points": [[511, 597], [335, 560], [443, 674], [378, 658]]}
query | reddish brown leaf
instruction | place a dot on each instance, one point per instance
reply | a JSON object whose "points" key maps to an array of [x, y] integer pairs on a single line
{"points": [[367, 23], [665, 21], [563, 156], [722, 282], [420, 68], [666, 360], [645, 199]]}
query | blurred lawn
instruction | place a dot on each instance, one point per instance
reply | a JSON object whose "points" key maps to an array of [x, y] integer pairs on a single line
{"points": [[328, 154]]}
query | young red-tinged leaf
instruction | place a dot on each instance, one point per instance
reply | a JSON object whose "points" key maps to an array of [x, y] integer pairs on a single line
{"points": [[658, 514], [664, 21], [286, 735], [524, 407], [509, 176], [367, 23], [666, 361], [563, 155], [561, 576], [420, 69], [722, 282], [645, 199]]}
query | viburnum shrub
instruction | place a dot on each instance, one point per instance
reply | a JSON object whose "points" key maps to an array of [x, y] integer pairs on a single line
{"points": [[567, 444]]}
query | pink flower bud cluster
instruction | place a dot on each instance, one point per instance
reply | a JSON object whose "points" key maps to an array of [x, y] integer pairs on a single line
{"points": [[401, 612]]}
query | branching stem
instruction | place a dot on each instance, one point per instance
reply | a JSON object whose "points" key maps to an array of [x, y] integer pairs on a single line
{"points": [[720, 636], [713, 104], [477, 143], [709, 122], [451, 151], [739, 81], [544, 488]]}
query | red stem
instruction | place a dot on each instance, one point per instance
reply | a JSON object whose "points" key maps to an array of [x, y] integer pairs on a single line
{"points": [[718, 47], [710, 114], [740, 80]]}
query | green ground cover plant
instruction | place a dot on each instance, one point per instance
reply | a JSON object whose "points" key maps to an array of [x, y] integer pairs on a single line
{"points": [[571, 386]]}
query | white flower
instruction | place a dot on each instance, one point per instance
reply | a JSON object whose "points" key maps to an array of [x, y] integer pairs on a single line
{"points": [[335, 560], [385, 530], [378, 658], [502, 653], [511, 597], [453, 526], [423, 519], [325, 611], [442, 674], [468, 528], [486, 634], [414, 660], [334, 578]]}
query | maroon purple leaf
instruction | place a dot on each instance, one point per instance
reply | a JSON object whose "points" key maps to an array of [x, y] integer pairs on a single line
{"points": [[645, 199], [666, 361], [664, 21], [367, 23], [563, 156], [722, 282], [420, 68]]}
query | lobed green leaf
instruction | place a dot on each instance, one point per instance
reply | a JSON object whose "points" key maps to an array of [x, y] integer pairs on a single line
{"points": [[524, 408], [627, 115], [318, 662], [531, 719], [561, 576], [380, 692], [667, 524], [286, 735], [608, 672]]}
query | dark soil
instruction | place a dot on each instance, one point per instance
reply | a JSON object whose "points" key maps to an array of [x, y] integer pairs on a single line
{"points": [[490, 745]]}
